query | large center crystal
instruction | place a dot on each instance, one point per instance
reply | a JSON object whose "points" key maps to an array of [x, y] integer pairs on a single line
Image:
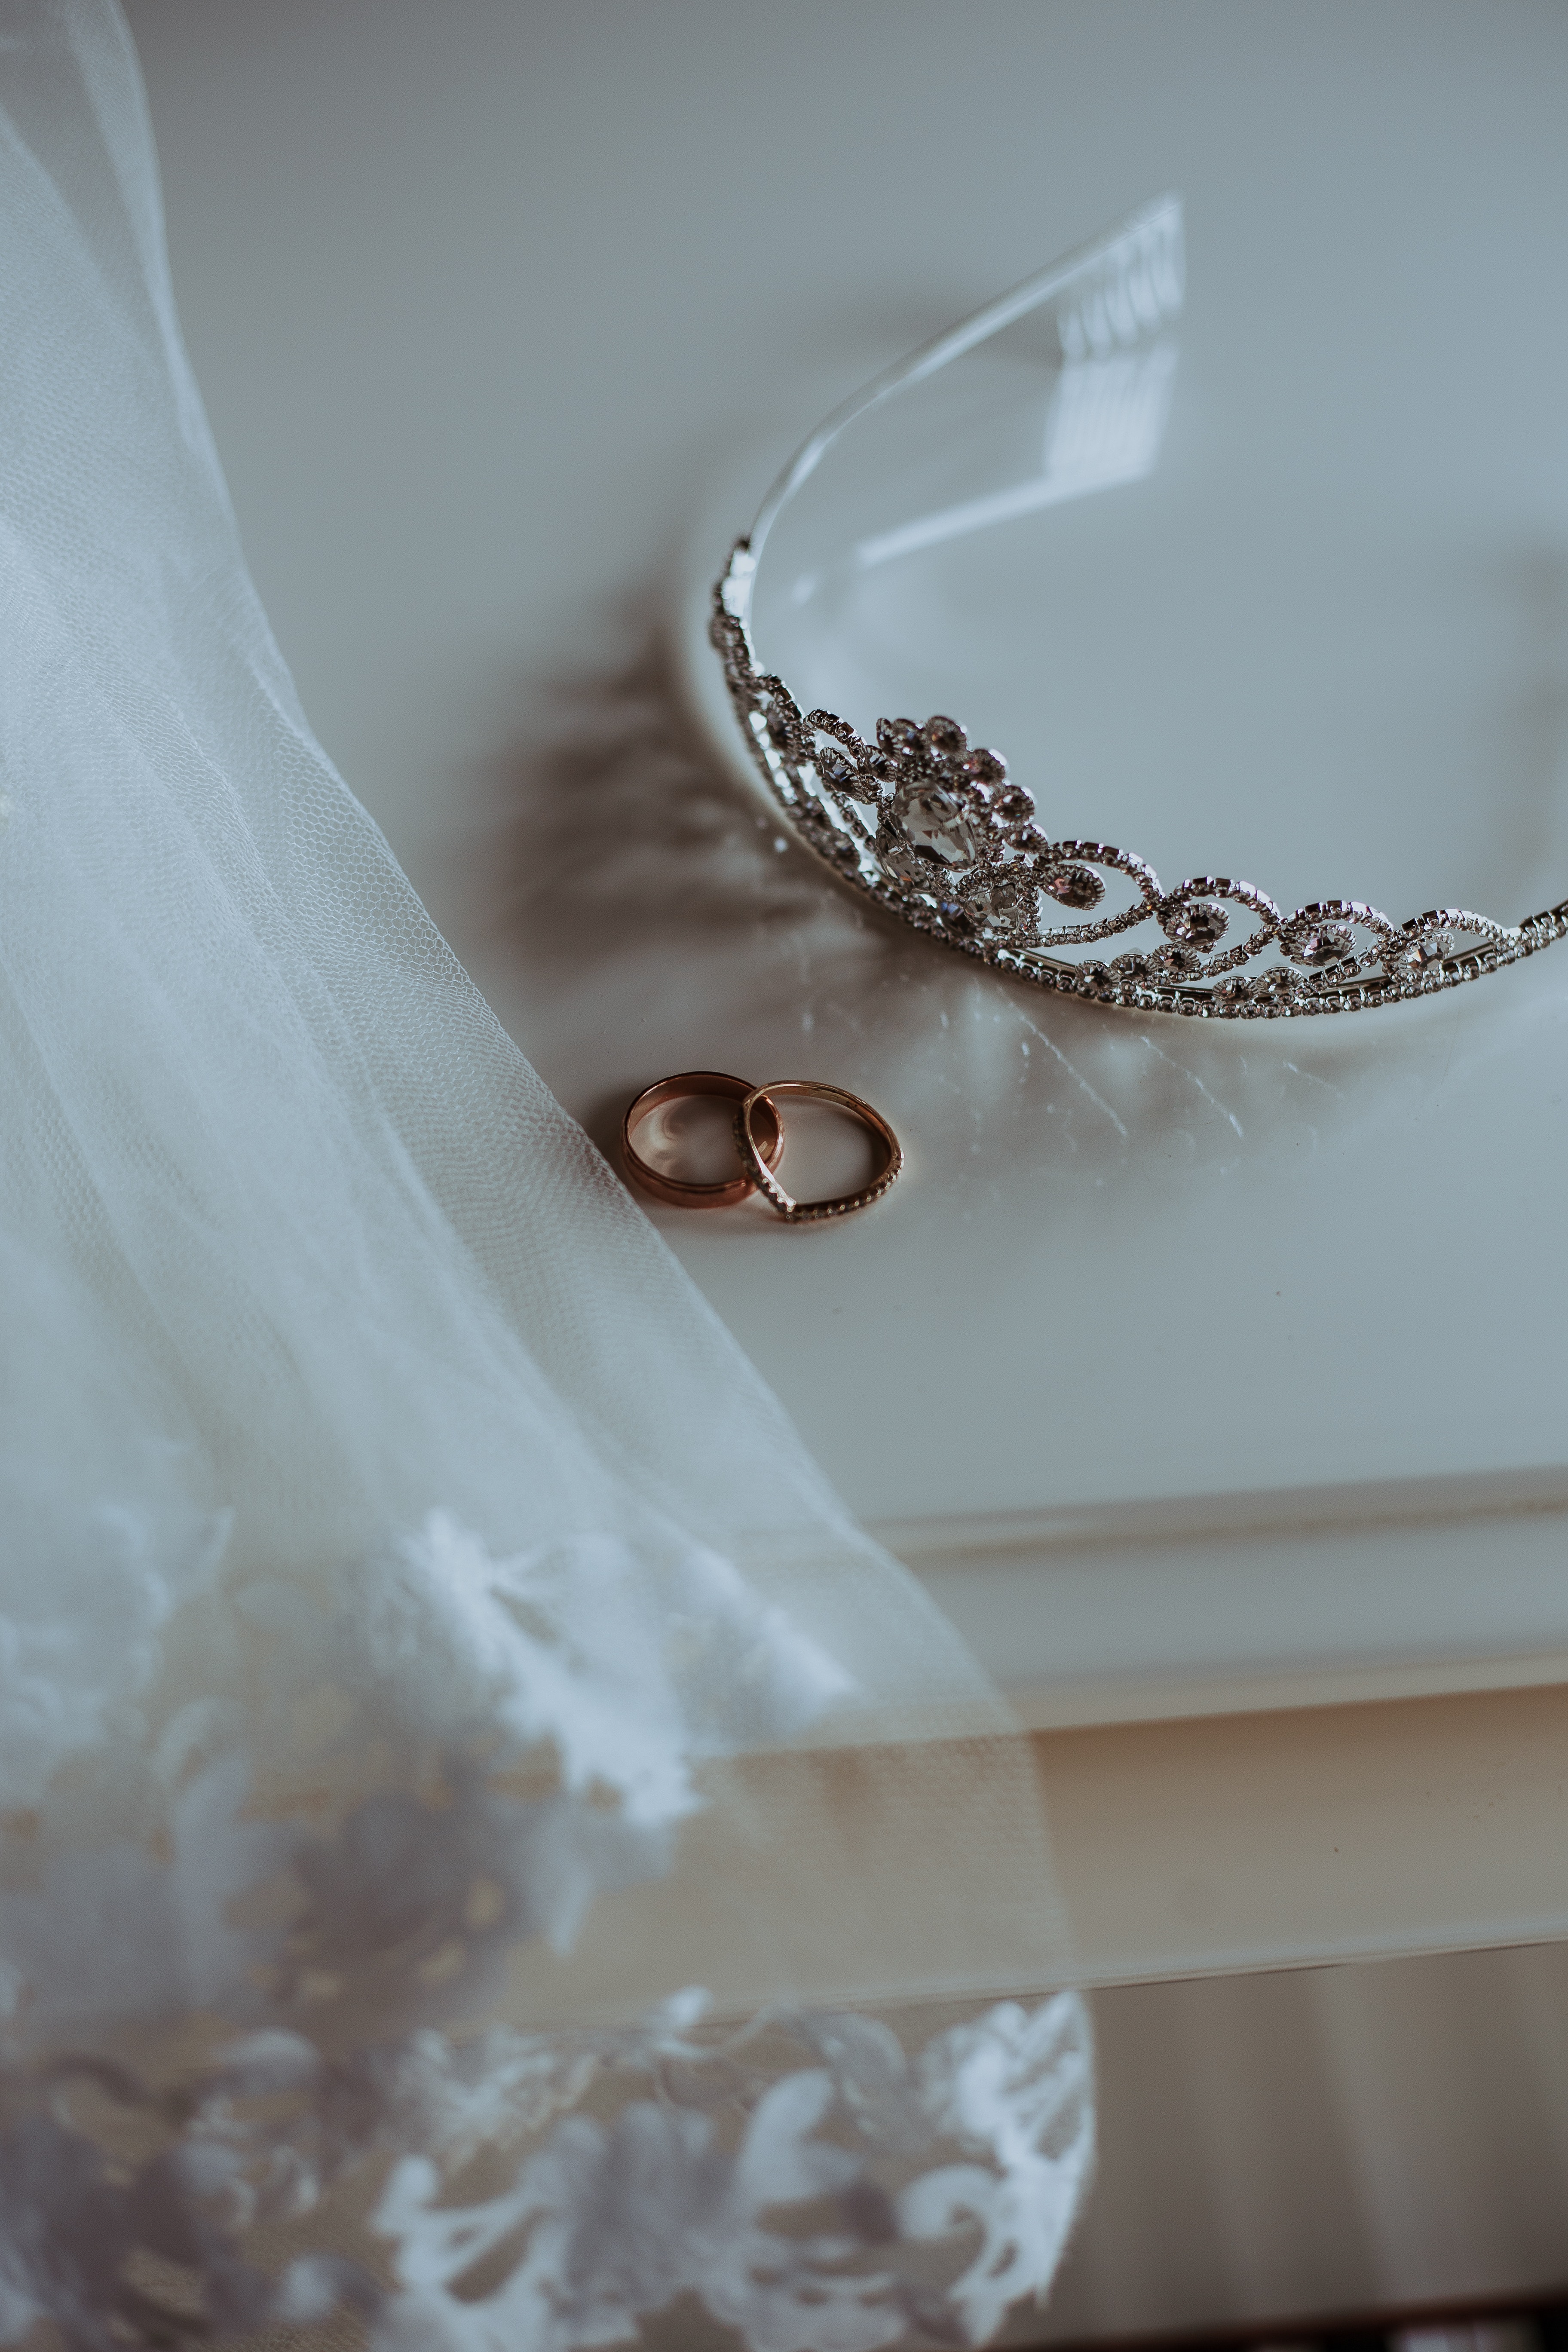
{"points": [[937, 823]]}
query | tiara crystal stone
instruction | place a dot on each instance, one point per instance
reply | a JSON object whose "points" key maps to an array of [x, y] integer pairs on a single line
{"points": [[1004, 898], [1074, 885], [1196, 926], [936, 824]]}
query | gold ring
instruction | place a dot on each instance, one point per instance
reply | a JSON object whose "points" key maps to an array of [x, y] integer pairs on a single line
{"points": [[760, 1164], [674, 1189]]}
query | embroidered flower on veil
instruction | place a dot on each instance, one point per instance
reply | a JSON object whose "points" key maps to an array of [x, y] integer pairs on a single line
{"points": [[629, 1681]]}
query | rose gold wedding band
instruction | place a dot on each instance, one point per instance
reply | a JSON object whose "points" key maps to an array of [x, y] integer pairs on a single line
{"points": [[674, 1189], [760, 1163]]}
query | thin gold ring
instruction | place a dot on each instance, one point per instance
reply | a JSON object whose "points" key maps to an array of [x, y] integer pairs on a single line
{"points": [[675, 1189], [759, 1165]]}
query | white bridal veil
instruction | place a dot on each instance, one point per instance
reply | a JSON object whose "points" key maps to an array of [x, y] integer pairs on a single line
{"points": [[488, 1852]]}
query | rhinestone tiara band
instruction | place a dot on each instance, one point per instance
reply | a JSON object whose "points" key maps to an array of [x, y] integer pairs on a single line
{"points": [[936, 831], [938, 834]]}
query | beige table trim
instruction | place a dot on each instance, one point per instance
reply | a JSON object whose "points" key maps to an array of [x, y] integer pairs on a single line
{"points": [[1320, 1834]]}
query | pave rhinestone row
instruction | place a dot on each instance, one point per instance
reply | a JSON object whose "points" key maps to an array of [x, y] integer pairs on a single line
{"points": [[935, 831]]}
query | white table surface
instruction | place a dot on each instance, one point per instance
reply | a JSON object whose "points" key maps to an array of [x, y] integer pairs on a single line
{"points": [[1200, 1372]]}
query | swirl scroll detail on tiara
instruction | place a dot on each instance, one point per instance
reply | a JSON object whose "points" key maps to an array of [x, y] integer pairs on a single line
{"points": [[937, 832]]}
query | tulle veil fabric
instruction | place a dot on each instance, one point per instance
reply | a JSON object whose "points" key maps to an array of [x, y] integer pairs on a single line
{"points": [[487, 1848]]}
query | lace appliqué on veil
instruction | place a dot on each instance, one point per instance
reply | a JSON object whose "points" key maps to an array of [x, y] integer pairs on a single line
{"points": [[805, 2208], [811, 2181]]}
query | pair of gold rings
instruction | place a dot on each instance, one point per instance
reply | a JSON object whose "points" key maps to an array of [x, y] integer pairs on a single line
{"points": [[759, 1144]]}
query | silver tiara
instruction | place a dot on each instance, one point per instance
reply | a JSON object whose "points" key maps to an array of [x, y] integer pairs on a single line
{"points": [[937, 832]]}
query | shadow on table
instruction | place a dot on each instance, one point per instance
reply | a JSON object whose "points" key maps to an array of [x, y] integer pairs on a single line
{"points": [[620, 829], [631, 880]]}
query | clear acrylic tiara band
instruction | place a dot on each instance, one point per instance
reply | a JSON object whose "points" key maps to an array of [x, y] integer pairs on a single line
{"points": [[935, 830]]}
